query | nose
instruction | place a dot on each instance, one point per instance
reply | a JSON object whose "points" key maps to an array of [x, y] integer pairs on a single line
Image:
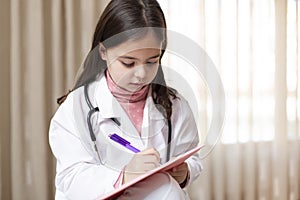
{"points": [[140, 72]]}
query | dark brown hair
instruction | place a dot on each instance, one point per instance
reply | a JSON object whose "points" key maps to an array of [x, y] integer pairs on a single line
{"points": [[121, 16]]}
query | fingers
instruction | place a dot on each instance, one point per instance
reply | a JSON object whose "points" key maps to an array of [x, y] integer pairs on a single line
{"points": [[144, 161], [150, 151], [150, 158], [179, 173], [141, 162], [150, 165], [180, 167]]}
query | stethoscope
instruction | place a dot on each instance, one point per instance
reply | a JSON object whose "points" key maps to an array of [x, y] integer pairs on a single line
{"points": [[92, 134]]}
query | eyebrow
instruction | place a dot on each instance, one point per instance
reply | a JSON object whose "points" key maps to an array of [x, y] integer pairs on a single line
{"points": [[133, 58]]}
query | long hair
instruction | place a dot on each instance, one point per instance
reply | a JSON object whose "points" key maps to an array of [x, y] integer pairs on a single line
{"points": [[121, 16]]}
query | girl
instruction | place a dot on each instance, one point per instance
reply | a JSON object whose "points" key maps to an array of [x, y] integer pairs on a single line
{"points": [[122, 91]]}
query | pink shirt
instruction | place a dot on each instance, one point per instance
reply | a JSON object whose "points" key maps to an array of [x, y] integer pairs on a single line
{"points": [[132, 102]]}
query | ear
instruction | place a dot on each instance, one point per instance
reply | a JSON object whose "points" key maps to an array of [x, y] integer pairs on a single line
{"points": [[102, 51]]}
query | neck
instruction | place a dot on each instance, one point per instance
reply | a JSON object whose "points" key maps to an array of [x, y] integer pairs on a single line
{"points": [[123, 95]]}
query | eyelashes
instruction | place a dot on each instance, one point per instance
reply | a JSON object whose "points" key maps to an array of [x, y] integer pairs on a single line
{"points": [[128, 64], [132, 64]]}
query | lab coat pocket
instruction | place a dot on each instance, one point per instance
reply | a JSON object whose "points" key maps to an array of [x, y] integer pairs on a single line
{"points": [[116, 157]]}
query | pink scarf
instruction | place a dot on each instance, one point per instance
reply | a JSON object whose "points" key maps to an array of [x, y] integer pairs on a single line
{"points": [[132, 102]]}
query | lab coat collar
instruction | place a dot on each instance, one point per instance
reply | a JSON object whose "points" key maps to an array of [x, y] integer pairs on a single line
{"points": [[105, 100]]}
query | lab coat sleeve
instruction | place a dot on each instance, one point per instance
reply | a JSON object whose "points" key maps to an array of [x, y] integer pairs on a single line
{"points": [[78, 173], [186, 136]]}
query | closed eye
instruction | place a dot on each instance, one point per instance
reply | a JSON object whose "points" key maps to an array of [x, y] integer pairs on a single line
{"points": [[152, 62], [127, 64]]}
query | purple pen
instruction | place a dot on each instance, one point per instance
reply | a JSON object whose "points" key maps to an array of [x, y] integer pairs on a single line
{"points": [[123, 142], [135, 150], [118, 139]]}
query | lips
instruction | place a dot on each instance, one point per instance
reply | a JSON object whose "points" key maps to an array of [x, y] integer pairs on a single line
{"points": [[137, 84]]}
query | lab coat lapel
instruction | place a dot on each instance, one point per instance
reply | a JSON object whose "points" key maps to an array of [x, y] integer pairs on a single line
{"points": [[153, 125], [110, 108], [128, 128]]}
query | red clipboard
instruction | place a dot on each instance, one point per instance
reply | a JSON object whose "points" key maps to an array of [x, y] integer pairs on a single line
{"points": [[165, 167]]}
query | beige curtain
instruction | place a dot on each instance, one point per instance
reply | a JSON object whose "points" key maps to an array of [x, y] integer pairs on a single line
{"points": [[45, 41], [43, 45], [255, 46]]}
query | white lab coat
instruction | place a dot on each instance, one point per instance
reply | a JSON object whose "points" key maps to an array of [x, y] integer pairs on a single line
{"points": [[79, 173]]}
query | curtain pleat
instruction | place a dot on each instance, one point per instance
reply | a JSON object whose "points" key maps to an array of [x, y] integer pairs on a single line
{"points": [[5, 101], [233, 177], [280, 150], [57, 52], [71, 42], [249, 175], [17, 110], [29, 124]]}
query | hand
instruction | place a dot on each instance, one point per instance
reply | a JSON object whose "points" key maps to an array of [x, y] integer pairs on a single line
{"points": [[180, 172], [140, 163]]}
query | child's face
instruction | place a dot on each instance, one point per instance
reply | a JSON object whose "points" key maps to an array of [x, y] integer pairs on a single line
{"points": [[133, 64]]}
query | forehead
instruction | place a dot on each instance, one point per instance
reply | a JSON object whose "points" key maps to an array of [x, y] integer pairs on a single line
{"points": [[149, 43]]}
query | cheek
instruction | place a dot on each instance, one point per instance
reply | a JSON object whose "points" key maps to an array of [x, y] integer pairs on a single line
{"points": [[152, 72], [114, 72], [118, 73]]}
